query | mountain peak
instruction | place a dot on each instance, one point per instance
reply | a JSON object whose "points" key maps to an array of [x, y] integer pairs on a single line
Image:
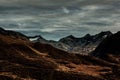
{"points": [[70, 36], [87, 35], [110, 45], [104, 33]]}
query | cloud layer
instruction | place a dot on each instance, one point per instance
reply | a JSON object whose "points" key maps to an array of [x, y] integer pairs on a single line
{"points": [[54, 19]]}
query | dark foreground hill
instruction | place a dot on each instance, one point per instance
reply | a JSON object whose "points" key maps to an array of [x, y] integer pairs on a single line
{"points": [[20, 59], [109, 49]]}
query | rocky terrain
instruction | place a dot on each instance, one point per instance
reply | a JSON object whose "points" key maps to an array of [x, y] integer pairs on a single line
{"points": [[22, 59], [71, 44], [109, 49]]}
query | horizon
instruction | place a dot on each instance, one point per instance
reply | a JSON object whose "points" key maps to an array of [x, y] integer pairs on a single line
{"points": [[61, 37], [55, 19]]}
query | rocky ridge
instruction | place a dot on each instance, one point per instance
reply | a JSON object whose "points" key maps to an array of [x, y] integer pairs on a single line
{"points": [[83, 45]]}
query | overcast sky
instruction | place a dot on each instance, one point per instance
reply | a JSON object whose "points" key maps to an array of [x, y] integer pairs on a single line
{"points": [[54, 19], [57, 2]]}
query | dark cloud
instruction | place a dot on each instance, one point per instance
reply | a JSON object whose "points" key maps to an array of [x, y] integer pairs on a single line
{"points": [[56, 18], [57, 2], [37, 2], [96, 24]]}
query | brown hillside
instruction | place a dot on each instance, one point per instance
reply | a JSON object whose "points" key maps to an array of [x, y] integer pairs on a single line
{"points": [[21, 59]]}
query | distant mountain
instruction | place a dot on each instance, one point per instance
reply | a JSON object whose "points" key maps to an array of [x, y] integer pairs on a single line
{"points": [[22, 59], [82, 45]]}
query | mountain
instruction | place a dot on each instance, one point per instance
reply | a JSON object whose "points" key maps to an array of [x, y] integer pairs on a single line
{"points": [[83, 45], [13, 34], [109, 49], [22, 59]]}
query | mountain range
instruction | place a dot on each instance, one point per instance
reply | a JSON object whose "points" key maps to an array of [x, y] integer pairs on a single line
{"points": [[71, 44], [22, 59]]}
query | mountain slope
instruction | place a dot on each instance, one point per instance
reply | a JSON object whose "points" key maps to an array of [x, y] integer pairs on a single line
{"points": [[109, 50], [21, 59], [110, 47]]}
